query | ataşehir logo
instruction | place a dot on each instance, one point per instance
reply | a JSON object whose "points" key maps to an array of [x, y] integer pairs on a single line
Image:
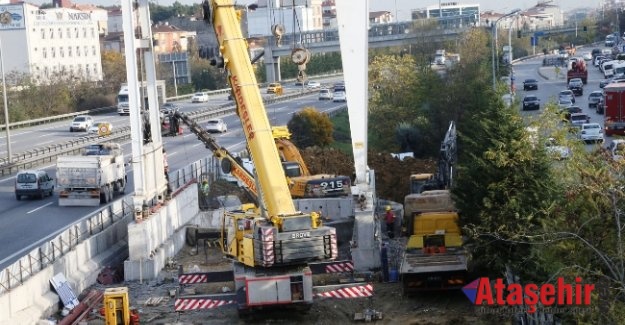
{"points": [[481, 292]]}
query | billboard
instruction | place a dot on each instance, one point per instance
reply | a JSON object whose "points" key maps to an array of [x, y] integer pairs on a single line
{"points": [[11, 17]]}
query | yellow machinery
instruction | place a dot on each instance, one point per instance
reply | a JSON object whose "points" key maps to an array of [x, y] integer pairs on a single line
{"points": [[117, 307], [301, 182], [271, 247]]}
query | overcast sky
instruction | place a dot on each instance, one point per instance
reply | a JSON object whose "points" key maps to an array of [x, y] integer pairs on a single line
{"points": [[403, 7]]}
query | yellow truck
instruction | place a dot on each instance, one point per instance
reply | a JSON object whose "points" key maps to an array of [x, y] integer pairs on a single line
{"points": [[434, 257]]}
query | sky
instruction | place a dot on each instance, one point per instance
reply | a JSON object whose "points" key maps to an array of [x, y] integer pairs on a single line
{"points": [[401, 7]]}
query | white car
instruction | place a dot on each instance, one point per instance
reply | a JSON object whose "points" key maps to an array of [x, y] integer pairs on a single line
{"points": [[101, 128], [557, 151], [587, 56], [339, 96], [325, 94], [201, 97], [81, 123], [216, 125], [591, 132], [313, 84]]}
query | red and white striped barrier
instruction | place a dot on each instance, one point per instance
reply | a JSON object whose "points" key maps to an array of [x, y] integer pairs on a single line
{"points": [[348, 293], [335, 246], [192, 278], [185, 304], [340, 267], [268, 246]]}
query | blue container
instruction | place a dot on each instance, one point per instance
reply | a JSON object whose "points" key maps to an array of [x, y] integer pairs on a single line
{"points": [[393, 275]]}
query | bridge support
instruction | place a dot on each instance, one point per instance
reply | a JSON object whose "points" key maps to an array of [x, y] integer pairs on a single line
{"points": [[272, 66]]}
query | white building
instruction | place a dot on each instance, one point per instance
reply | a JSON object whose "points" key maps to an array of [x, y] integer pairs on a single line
{"points": [[294, 15], [45, 42]]}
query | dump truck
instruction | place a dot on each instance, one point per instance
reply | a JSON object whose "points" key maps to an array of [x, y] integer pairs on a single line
{"points": [[93, 177], [434, 257], [577, 69]]}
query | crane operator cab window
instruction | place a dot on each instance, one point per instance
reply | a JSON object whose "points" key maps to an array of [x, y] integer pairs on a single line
{"points": [[291, 169]]}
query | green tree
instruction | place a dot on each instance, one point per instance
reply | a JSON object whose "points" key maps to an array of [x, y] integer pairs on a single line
{"points": [[310, 127], [113, 71], [503, 187]]}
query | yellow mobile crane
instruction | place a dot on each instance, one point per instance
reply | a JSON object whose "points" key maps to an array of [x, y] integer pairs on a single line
{"points": [[271, 250]]}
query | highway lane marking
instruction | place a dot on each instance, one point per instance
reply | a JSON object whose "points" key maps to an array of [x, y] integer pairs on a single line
{"points": [[39, 208]]}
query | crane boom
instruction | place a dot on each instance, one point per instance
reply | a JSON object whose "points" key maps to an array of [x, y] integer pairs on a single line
{"points": [[251, 110]]}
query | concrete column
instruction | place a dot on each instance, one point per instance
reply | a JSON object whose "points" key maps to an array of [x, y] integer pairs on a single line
{"points": [[272, 66]]}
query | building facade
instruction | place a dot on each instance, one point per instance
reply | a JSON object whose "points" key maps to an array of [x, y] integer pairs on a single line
{"points": [[450, 14], [294, 15], [46, 42]]}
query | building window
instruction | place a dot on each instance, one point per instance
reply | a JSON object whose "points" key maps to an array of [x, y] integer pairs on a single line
{"points": [[93, 50], [46, 72], [61, 52], [44, 53], [87, 70], [53, 52], [69, 34], [92, 32], [43, 34], [79, 70], [77, 50], [84, 32], [76, 32], [60, 33], [69, 51], [51, 33], [86, 50], [95, 69]]}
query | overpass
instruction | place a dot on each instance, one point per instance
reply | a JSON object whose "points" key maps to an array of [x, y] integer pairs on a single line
{"points": [[383, 35]]}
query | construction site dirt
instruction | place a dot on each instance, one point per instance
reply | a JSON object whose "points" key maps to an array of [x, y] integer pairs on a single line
{"points": [[154, 300]]}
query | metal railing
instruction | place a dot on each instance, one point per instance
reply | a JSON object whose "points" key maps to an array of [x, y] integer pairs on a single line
{"points": [[48, 250]]}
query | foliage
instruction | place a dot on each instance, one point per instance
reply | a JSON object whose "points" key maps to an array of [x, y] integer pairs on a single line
{"points": [[163, 13], [113, 71], [319, 64], [310, 128]]}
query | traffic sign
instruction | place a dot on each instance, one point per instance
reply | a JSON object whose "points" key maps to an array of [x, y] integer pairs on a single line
{"points": [[534, 40], [539, 33]]}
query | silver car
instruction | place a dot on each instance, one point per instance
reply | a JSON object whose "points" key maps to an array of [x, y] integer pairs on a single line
{"points": [[216, 125]]}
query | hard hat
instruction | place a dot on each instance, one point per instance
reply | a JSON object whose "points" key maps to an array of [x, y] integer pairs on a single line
{"points": [[388, 208]]}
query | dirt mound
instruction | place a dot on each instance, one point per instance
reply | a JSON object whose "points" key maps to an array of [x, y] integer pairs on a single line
{"points": [[392, 176]]}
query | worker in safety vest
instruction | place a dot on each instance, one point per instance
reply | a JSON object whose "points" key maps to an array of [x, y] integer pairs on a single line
{"points": [[389, 219]]}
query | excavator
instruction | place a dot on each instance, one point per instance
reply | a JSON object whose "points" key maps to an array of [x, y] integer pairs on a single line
{"points": [[274, 248]]}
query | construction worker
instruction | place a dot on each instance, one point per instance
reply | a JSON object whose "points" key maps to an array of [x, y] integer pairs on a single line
{"points": [[389, 219]]}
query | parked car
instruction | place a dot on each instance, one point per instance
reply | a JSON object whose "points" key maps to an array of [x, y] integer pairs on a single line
{"points": [[33, 183], [274, 88], [201, 97], [567, 94], [591, 132], [616, 78], [101, 128], [325, 94], [81, 123], [564, 103], [594, 98], [339, 96], [576, 85], [531, 102], [216, 125], [587, 56], [595, 52], [578, 119], [557, 151], [617, 149], [530, 84]]}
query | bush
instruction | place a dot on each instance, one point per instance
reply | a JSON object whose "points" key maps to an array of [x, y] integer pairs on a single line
{"points": [[96, 101]]}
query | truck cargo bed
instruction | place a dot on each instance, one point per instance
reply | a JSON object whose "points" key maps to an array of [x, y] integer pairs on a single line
{"points": [[445, 271]]}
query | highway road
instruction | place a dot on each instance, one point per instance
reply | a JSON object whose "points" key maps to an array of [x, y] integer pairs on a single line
{"points": [[31, 221]]}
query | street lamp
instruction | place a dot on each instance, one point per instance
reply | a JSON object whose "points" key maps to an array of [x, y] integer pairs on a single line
{"points": [[6, 105], [173, 67], [494, 42]]}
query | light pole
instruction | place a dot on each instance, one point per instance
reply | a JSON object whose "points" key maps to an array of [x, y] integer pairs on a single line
{"points": [[494, 42], [6, 105]]}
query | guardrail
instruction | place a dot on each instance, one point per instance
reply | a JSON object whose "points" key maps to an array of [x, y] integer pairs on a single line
{"points": [[38, 156], [61, 117], [32, 158]]}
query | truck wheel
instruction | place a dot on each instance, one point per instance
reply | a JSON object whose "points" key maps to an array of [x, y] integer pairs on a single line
{"points": [[18, 197]]}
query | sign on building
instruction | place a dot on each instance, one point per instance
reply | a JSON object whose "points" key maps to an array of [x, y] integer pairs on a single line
{"points": [[11, 17]]}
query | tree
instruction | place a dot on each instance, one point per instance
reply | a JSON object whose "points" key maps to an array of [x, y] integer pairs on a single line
{"points": [[503, 186], [310, 128], [113, 70]]}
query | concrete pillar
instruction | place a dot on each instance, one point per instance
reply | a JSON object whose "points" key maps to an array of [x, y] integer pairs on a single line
{"points": [[272, 66]]}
